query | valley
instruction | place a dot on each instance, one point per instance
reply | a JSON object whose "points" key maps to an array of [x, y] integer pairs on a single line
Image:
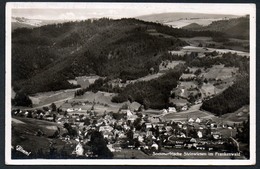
{"points": [[129, 89]]}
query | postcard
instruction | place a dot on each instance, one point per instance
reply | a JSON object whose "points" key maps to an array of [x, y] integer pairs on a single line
{"points": [[130, 83]]}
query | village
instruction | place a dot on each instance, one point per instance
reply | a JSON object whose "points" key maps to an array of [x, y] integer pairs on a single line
{"points": [[128, 126], [180, 128], [132, 130]]}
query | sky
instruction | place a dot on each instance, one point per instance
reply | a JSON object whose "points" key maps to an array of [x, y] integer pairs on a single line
{"points": [[76, 11]]}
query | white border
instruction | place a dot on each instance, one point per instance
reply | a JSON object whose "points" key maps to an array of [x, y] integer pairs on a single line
{"points": [[8, 159]]}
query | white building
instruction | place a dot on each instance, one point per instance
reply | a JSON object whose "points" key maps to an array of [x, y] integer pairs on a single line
{"points": [[199, 134], [155, 146], [198, 120], [191, 120], [172, 110], [78, 150]]}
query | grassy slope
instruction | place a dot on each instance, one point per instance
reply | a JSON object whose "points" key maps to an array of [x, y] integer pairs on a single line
{"points": [[24, 134]]}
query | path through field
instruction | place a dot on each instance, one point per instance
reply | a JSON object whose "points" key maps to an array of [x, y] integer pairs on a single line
{"points": [[193, 112]]}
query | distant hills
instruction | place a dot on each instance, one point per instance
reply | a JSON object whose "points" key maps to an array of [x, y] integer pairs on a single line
{"points": [[21, 22], [179, 20], [235, 27]]}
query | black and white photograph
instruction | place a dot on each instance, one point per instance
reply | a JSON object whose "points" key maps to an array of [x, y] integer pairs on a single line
{"points": [[130, 83]]}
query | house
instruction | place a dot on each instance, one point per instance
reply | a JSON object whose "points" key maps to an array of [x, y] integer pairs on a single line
{"points": [[131, 117], [79, 150], [172, 110], [128, 113], [199, 134], [184, 108], [213, 125], [154, 119], [193, 140], [140, 138], [70, 110], [164, 111], [107, 134], [216, 135], [110, 147], [191, 120], [148, 125], [181, 135], [149, 133], [155, 146], [105, 128], [179, 125], [121, 135], [198, 120]]}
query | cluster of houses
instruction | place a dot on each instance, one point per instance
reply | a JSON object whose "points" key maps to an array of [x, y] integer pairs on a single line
{"points": [[128, 129]]}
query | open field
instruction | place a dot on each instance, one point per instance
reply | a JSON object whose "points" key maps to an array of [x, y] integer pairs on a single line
{"points": [[184, 22], [193, 112], [184, 116], [219, 72], [233, 43], [236, 117], [100, 100], [162, 69], [57, 97], [188, 50], [202, 50], [222, 51], [195, 41], [85, 102]]}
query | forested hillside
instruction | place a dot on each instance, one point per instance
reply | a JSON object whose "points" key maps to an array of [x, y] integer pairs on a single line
{"points": [[44, 58], [154, 93]]}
